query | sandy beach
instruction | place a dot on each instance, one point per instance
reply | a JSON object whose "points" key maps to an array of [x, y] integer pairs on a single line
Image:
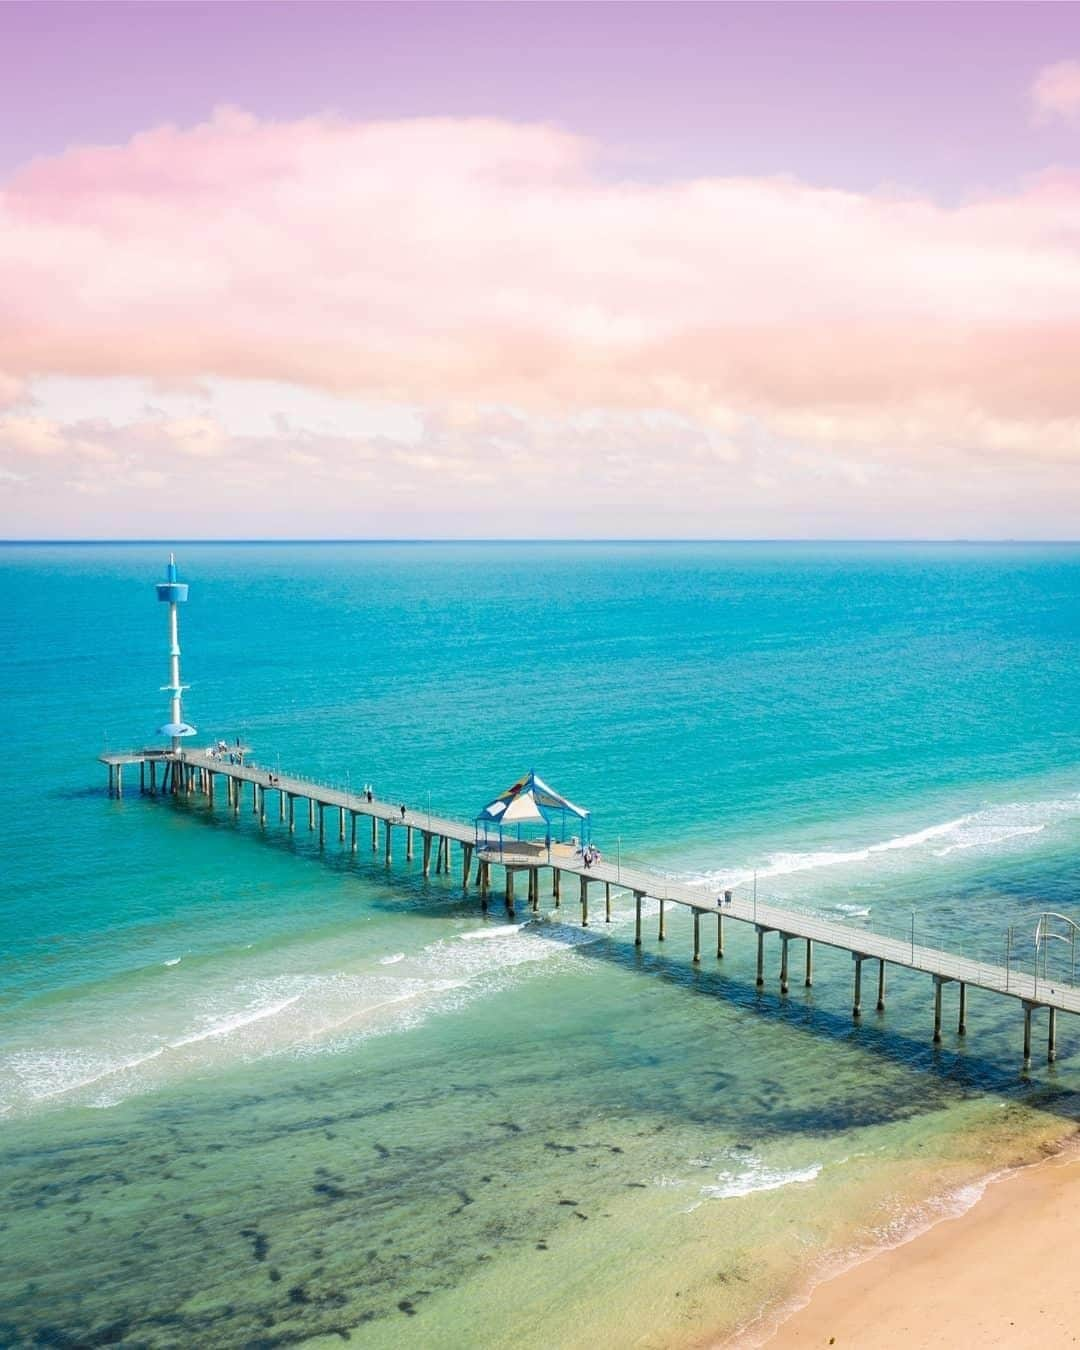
{"points": [[1002, 1274]]}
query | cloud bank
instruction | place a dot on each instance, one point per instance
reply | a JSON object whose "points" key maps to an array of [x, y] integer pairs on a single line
{"points": [[466, 266]]}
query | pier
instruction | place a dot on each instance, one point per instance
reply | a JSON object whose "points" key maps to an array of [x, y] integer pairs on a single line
{"points": [[383, 829], [226, 775]]}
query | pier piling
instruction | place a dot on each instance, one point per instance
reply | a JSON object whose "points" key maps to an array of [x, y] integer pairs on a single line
{"points": [[719, 937], [426, 834], [638, 897], [584, 901], [662, 933], [1027, 1035], [881, 986], [809, 981], [760, 980], [1051, 1037], [961, 1021], [856, 1002], [697, 936], [937, 1009]]}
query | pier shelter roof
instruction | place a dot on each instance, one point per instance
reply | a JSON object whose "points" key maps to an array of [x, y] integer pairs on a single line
{"points": [[531, 802]]}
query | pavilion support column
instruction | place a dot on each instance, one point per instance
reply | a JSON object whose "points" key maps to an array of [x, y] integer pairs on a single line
{"points": [[856, 1002], [426, 835], [784, 963], [881, 985], [1051, 1037], [1027, 1035], [509, 890], [662, 925], [352, 832], [638, 897], [584, 900], [292, 812], [556, 886], [375, 835], [341, 824], [760, 978], [809, 963], [719, 937], [607, 901], [389, 855], [153, 778], [534, 889], [937, 1010], [408, 843], [466, 869], [697, 936], [961, 1021]]}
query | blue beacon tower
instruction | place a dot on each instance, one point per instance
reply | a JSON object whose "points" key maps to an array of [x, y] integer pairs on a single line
{"points": [[173, 593]]}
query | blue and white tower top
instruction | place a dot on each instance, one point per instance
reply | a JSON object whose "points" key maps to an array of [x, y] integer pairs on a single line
{"points": [[174, 593]]}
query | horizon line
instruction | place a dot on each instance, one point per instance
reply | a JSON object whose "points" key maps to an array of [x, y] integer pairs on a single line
{"points": [[84, 541]]}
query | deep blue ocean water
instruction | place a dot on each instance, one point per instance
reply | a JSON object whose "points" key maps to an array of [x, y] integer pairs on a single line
{"points": [[226, 1054]]}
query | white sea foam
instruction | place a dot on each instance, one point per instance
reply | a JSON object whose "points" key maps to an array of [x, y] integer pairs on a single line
{"points": [[987, 829], [291, 1013], [174, 962], [753, 1176], [989, 836], [235, 1023], [501, 930]]}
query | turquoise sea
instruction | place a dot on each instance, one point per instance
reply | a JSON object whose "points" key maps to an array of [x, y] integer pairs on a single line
{"points": [[255, 1094]]}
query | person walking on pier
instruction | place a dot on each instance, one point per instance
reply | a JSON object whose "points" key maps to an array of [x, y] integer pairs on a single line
{"points": [[402, 810]]}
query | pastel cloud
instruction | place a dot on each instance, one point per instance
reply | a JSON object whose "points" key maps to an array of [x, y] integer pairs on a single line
{"points": [[1055, 92], [480, 269]]}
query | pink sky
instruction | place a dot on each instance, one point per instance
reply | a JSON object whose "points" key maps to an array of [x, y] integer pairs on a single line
{"points": [[646, 270]]}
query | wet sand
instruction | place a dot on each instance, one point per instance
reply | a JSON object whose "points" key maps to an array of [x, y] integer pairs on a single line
{"points": [[1002, 1274]]}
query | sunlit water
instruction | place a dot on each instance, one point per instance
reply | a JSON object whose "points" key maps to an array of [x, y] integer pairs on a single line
{"points": [[255, 1094]]}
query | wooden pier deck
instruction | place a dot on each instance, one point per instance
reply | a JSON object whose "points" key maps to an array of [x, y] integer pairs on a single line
{"points": [[197, 771]]}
